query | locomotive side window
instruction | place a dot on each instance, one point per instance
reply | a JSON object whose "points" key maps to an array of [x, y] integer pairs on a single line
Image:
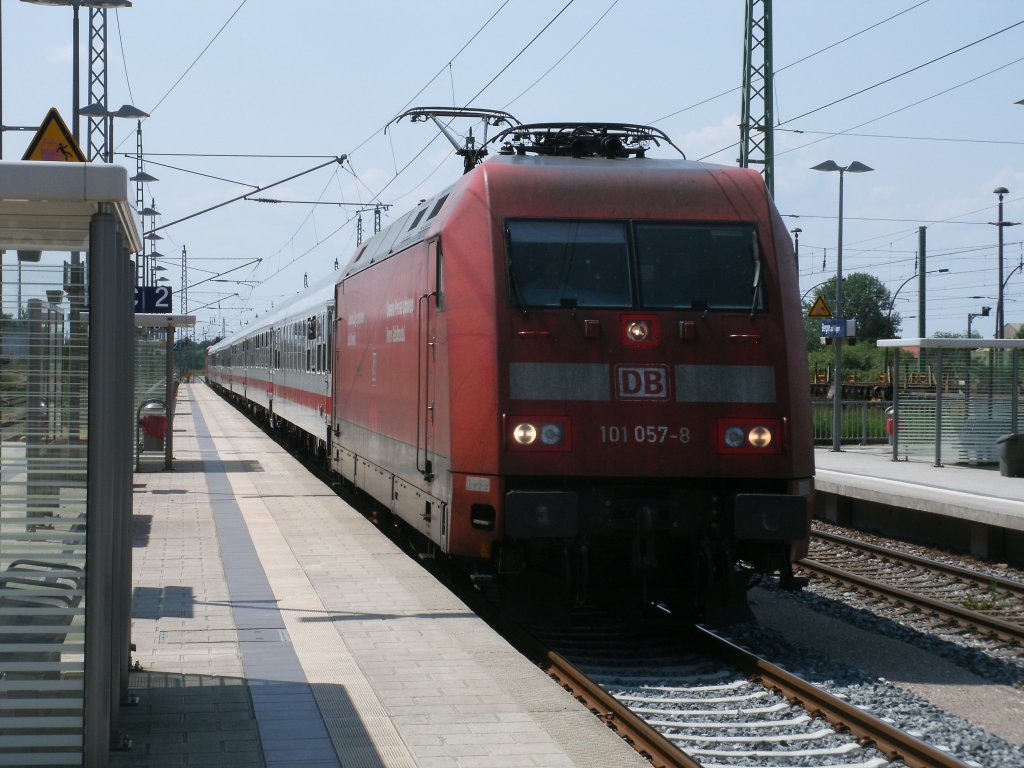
{"points": [[568, 264], [698, 266]]}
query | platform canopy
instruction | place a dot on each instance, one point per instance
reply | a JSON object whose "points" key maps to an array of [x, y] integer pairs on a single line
{"points": [[953, 343], [48, 206]]}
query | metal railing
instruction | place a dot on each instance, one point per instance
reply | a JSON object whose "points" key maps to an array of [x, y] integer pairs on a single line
{"points": [[862, 421]]}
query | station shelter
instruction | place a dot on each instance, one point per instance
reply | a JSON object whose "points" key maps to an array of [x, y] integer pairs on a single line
{"points": [[156, 385], [67, 232], [955, 401]]}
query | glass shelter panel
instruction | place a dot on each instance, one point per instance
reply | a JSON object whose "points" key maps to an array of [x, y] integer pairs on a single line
{"points": [[976, 393], [44, 378]]}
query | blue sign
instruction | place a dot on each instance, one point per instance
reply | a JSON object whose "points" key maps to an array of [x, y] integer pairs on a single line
{"points": [[153, 299], [833, 329]]}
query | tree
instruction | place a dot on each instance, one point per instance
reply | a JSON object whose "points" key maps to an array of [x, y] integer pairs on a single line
{"points": [[866, 300]]}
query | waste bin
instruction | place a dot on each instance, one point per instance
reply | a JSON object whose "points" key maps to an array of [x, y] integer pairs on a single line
{"points": [[154, 426], [1011, 455], [888, 423]]}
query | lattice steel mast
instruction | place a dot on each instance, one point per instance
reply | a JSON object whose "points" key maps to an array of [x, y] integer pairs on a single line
{"points": [[757, 142]]}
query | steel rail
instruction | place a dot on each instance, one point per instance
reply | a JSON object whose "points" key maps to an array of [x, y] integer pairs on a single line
{"points": [[651, 744], [973, 620], [1016, 587], [887, 739], [636, 732]]}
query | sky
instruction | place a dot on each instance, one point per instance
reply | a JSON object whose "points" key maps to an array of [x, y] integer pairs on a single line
{"points": [[243, 94]]}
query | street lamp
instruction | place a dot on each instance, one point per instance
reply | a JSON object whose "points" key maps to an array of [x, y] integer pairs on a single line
{"points": [[796, 246], [971, 315], [1013, 271], [837, 397], [1001, 224], [888, 317], [811, 289], [99, 110], [75, 5]]}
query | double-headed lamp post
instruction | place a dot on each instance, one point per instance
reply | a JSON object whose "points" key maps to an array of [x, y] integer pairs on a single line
{"points": [[75, 5], [837, 395]]}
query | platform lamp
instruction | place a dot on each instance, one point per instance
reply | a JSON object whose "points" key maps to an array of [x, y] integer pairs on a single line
{"points": [[148, 261], [888, 317], [140, 178], [75, 54], [125, 111], [837, 397]]}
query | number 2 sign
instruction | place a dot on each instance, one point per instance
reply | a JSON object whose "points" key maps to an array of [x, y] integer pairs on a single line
{"points": [[152, 299]]}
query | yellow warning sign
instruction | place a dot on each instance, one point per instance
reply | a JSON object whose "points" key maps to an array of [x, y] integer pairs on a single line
{"points": [[820, 308], [53, 141]]}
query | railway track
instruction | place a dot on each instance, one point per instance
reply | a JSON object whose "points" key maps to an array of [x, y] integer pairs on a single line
{"points": [[703, 701], [938, 593], [693, 698]]}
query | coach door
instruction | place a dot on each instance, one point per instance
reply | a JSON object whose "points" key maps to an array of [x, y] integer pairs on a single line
{"points": [[426, 364]]}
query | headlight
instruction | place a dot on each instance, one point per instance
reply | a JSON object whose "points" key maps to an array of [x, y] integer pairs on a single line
{"points": [[734, 437], [524, 434], [638, 330], [760, 437], [551, 434], [540, 433], [750, 436]]}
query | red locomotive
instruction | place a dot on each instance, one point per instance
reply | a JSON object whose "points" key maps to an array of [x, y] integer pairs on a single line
{"points": [[584, 364]]}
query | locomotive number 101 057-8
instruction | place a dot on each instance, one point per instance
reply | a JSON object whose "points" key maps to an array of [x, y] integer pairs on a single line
{"points": [[643, 433]]}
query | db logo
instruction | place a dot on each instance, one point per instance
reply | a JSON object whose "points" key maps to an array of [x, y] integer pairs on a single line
{"points": [[641, 383]]}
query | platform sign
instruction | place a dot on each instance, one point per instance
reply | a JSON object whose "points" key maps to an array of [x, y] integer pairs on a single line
{"points": [[833, 329], [820, 308], [53, 141], [152, 299]]}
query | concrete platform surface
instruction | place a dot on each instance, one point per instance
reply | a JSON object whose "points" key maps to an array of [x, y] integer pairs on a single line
{"points": [[976, 494], [275, 626]]}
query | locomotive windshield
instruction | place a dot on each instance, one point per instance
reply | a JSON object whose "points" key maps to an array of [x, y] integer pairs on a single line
{"points": [[698, 266], [652, 265], [569, 264]]}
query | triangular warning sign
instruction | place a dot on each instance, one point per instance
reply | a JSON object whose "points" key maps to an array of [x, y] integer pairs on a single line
{"points": [[820, 308], [53, 141]]}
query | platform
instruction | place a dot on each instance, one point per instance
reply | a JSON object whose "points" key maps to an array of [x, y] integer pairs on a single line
{"points": [[275, 626], [864, 486]]}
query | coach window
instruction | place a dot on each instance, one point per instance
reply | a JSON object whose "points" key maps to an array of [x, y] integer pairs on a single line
{"points": [[568, 264], [330, 337], [321, 344], [698, 266]]}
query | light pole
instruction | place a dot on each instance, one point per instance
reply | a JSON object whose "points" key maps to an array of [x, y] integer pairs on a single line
{"points": [[796, 246], [1001, 224], [75, 5], [971, 315], [888, 317], [811, 289], [100, 110], [837, 396]]}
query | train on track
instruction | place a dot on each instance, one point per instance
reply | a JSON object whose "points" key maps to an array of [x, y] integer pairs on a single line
{"points": [[577, 365]]}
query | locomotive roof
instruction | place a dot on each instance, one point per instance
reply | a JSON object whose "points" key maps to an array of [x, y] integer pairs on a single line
{"points": [[420, 222]]}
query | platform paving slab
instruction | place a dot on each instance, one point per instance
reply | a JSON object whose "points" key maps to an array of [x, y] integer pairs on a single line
{"points": [[262, 600]]}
